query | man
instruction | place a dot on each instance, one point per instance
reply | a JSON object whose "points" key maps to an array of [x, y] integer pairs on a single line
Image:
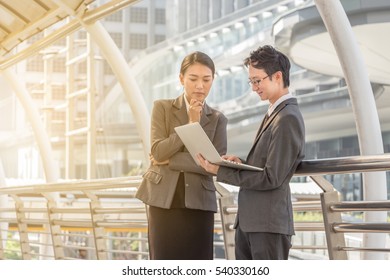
{"points": [[264, 223]]}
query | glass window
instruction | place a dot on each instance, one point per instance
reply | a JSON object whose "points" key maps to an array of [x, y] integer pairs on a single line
{"points": [[216, 9], [117, 37], [159, 38], [35, 64], [58, 93], [116, 17], [242, 4], [160, 16], [228, 6], [204, 8], [138, 15], [82, 67], [138, 41], [59, 65], [82, 34]]}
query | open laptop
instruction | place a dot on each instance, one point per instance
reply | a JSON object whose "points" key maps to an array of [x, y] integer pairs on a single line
{"points": [[197, 142]]}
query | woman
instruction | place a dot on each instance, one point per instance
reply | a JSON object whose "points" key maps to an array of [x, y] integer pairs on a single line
{"points": [[181, 194]]}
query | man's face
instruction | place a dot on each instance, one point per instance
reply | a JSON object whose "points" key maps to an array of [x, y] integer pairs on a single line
{"points": [[262, 84]]}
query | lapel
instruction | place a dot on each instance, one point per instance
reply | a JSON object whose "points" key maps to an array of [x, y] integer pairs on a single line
{"points": [[179, 111], [266, 123], [265, 120], [204, 119]]}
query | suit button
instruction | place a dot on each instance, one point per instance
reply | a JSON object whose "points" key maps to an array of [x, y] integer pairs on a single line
{"points": [[187, 185]]}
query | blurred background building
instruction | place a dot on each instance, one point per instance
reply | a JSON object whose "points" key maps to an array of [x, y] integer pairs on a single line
{"points": [[154, 36]]}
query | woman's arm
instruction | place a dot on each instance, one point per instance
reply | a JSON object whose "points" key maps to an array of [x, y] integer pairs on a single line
{"points": [[183, 161], [164, 144]]}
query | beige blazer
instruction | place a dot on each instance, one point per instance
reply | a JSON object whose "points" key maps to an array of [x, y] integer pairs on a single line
{"points": [[159, 182]]}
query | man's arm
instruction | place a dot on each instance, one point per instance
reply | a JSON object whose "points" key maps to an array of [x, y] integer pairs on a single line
{"points": [[281, 156]]}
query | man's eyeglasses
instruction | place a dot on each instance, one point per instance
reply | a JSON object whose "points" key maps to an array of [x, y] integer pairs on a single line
{"points": [[257, 82]]}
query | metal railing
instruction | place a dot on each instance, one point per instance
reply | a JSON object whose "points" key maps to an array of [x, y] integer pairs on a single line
{"points": [[330, 205], [101, 219], [95, 219], [98, 219]]}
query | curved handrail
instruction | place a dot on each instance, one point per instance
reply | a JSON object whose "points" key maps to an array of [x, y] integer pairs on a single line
{"points": [[352, 164], [128, 186], [76, 185]]}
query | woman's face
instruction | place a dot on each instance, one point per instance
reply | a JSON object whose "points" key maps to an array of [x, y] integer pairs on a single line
{"points": [[197, 81]]}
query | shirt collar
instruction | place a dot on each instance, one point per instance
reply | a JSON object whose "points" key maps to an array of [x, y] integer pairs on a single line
{"points": [[272, 107], [186, 102]]}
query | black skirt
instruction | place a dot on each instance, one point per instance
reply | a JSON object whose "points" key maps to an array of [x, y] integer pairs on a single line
{"points": [[180, 234]]}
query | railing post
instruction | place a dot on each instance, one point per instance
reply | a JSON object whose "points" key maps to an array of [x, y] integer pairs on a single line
{"points": [[1, 244], [23, 228], [141, 245], [226, 200], [98, 232], [334, 240], [55, 230]]}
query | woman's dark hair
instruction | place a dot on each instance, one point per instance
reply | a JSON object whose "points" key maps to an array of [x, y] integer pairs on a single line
{"points": [[270, 60], [197, 57]]}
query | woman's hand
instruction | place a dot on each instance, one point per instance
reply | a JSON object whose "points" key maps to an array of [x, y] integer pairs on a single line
{"points": [[209, 167], [195, 110]]}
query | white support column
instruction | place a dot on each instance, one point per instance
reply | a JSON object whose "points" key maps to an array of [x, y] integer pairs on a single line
{"points": [[122, 72], [91, 115], [49, 166], [364, 108], [130, 87], [43, 141], [70, 170]]}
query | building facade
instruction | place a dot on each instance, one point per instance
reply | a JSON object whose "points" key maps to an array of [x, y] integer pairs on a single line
{"points": [[154, 36]]}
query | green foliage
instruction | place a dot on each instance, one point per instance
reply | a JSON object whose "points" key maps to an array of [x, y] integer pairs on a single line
{"points": [[135, 171], [308, 217], [126, 245], [13, 249]]}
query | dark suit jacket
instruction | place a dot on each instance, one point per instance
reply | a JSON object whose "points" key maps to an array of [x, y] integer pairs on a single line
{"points": [[264, 200], [159, 182]]}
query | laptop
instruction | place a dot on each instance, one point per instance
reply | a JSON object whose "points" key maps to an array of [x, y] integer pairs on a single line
{"points": [[197, 142]]}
